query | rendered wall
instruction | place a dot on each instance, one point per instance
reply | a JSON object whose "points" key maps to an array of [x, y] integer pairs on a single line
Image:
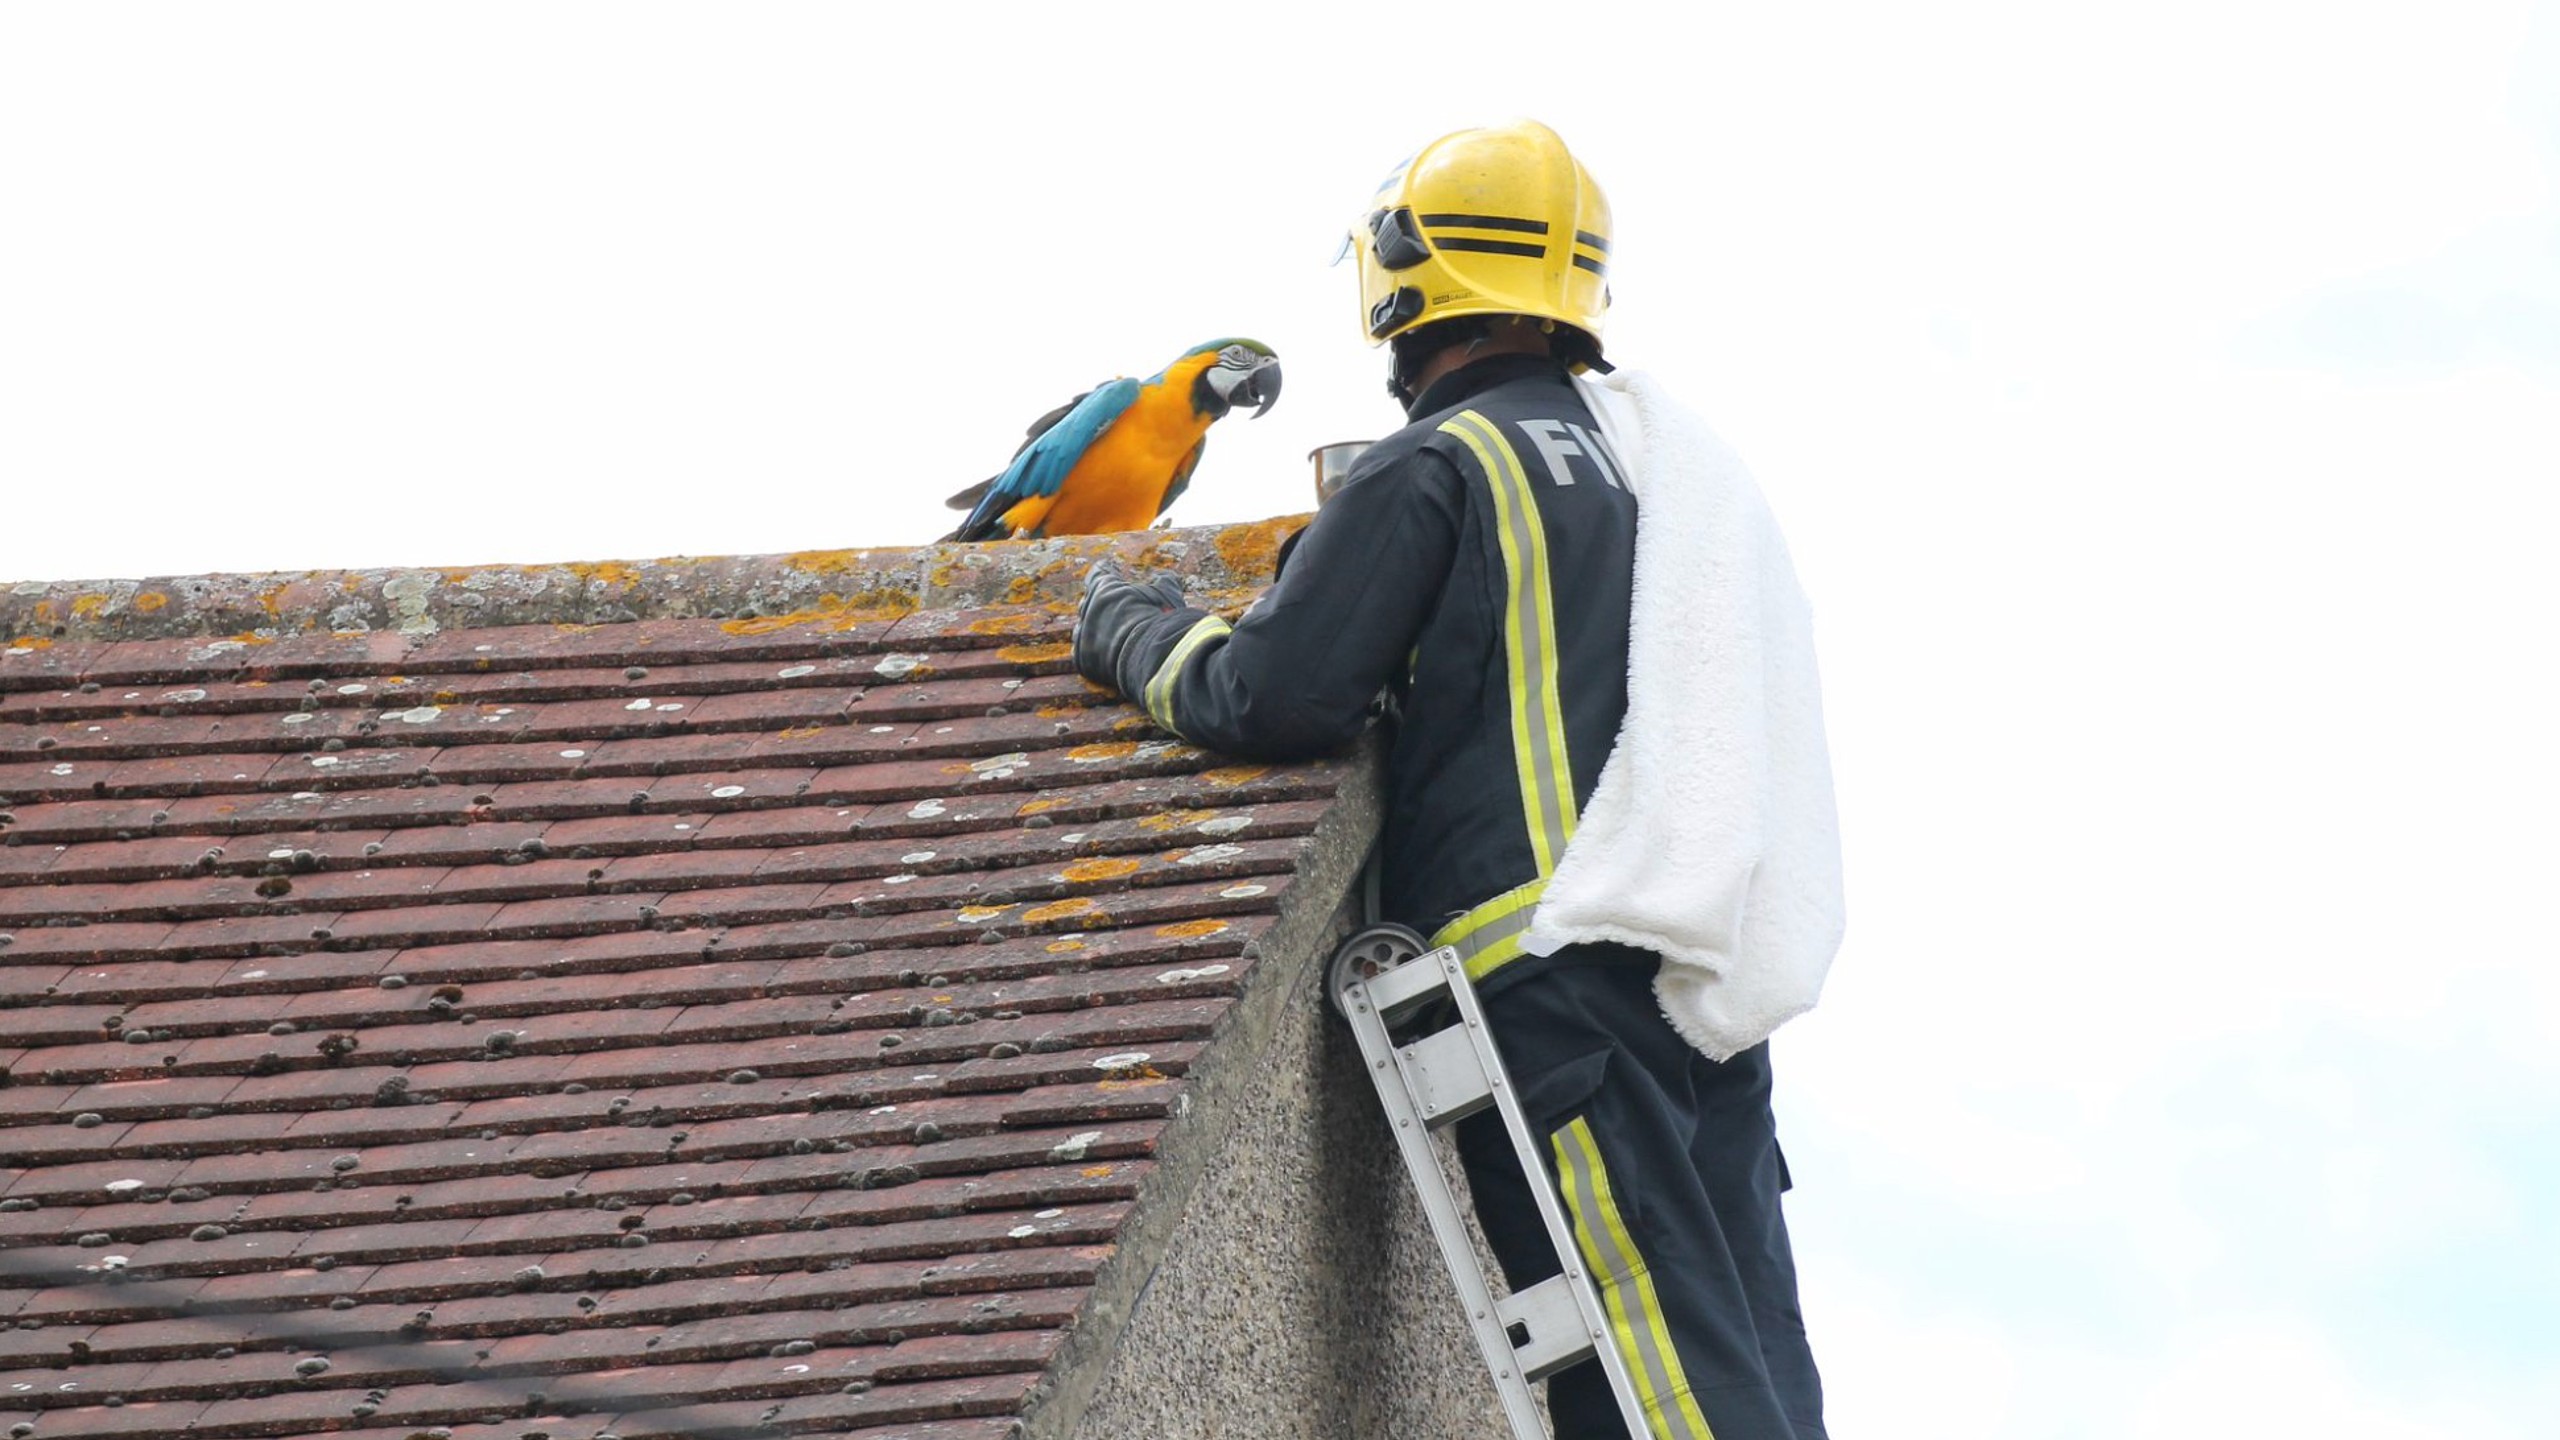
{"points": [[1302, 1298], [1293, 1292]]}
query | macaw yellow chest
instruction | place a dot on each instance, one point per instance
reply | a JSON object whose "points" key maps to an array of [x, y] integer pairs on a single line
{"points": [[1119, 482]]}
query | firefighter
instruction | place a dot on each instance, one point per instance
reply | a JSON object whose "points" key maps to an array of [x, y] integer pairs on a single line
{"points": [[1476, 566]]}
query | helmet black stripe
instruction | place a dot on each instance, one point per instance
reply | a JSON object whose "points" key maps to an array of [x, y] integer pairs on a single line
{"points": [[1585, 262], [1489, 247], [1595, 242], [1487, 222]]}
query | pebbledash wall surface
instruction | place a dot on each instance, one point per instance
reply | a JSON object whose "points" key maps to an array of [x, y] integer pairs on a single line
{"points": [[741, 996]]}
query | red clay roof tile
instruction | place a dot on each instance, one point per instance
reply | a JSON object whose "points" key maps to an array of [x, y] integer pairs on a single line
{"points": [[684, 1022]]}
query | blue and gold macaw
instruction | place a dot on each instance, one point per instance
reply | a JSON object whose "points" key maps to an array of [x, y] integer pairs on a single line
{"points": [[1116, 456]]}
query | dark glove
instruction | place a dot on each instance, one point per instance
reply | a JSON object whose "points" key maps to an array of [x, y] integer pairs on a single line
{"points": [[1115, 615]]}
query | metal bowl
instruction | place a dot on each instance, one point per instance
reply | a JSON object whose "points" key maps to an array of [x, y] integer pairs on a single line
{"points": [[1333, 465]]}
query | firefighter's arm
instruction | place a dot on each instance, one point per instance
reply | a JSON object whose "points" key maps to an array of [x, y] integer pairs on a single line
{"points": [[1295, 676]]}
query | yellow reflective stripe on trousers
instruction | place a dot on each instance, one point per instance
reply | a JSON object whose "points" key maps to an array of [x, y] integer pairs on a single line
{"points": [[1625, 1282], [1159, 696], [1489, 936], [1529, 640]]}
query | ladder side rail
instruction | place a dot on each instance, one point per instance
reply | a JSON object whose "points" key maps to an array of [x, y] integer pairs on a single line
{"points": [[1440, 1206], [1595, 1323]]}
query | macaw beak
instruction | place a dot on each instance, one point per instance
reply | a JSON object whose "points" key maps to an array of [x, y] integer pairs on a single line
{"points": [[1258, 387]]}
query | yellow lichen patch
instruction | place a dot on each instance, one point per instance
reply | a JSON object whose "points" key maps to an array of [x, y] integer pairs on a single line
{"points": [[1035, 654], [1062, 947], [1190, 929], [1060, 712], [885, 603], [31, 642], [1096, 1172], [1253, 549], [445, 697], [1134, 1077], [943, 574], [825, 562], [87, 605], [45, 613], [1232, 775], [801, 732], [1086, 872], [839, 612], [973, 914], [767, 624], [271, 600], [1020, 590], [251, 637], [150, 600], [569, 627], [1131, 722], [1060, 910], [1175, 819], [1106, 750], [1003, 625], [1034, 807]]}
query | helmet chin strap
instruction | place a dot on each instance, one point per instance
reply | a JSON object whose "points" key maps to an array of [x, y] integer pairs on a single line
{"points": [[1400, 378], [1417, 352]]}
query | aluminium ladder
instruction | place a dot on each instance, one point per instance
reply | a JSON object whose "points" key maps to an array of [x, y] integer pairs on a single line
{"points": [[1387, 977]]}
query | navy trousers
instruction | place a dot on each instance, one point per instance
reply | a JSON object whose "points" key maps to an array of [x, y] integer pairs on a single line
{"points": [[1669, 1168]]}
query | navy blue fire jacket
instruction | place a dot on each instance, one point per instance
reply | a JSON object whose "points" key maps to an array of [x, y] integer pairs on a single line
{"points": [[1477, 567]]}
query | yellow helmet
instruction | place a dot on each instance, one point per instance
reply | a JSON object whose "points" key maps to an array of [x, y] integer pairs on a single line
{"points": [[1496, 221]]}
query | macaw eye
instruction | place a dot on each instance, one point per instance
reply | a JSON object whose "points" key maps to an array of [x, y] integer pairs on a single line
{"points": [[1235, 357]]}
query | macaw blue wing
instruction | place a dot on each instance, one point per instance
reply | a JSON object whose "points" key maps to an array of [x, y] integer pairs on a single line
{"points": [[967, 499], [1042, 465]]}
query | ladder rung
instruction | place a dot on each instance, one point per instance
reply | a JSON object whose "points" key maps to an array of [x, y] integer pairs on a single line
{"points": [[1447, 1075], [1556, 1335], [1396, 992]]}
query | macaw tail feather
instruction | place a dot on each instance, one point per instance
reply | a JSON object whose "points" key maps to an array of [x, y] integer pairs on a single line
{"points": [[991, 527], [986, 515]]}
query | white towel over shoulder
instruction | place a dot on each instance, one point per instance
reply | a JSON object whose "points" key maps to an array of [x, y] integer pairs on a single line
{"points": [[1711, 838]]}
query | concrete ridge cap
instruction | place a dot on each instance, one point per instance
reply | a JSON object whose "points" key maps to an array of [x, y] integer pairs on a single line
{"points": [[1214, 562]]}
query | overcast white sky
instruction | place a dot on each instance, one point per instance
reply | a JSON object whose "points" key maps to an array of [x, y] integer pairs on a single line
{"points": [[2161, 407]]}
